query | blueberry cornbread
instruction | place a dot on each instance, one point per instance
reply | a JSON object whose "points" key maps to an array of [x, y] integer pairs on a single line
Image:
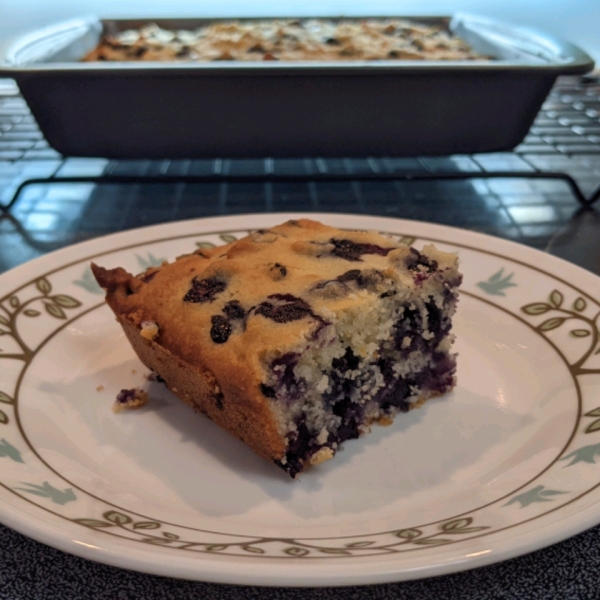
{"points": [[286, 40], [298, 337]]}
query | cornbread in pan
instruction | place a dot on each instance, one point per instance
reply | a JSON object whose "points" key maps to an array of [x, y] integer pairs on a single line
{"points": [[298, 337], [287, 40]]}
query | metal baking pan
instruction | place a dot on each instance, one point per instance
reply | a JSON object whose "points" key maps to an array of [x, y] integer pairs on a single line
{"points": [[284, 109]]}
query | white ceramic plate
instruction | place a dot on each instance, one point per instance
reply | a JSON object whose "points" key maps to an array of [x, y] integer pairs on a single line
{"points": [[507, 463]]}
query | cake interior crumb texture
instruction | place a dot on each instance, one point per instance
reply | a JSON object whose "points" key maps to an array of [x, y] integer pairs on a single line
{"points": [[296, 338]]}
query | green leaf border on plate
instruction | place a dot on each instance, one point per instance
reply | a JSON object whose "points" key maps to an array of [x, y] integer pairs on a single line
{"points": [[122, 523]]}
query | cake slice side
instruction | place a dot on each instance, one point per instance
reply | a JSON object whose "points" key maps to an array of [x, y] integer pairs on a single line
{"points": [[229, 401], [386, 350]]}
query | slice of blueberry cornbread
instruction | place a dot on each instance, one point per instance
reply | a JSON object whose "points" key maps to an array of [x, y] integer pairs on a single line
{"points": [[298, 337]]}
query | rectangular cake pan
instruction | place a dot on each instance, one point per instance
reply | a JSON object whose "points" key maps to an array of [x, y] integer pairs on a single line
{"points": [[285, 109]]}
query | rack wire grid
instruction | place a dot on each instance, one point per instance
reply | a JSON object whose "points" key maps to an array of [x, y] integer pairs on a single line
{"points": [[545, 188]]}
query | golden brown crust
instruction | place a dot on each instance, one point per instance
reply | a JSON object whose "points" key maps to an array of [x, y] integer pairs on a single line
{"points": [[200, 390], [192, 382], [114, 279]]}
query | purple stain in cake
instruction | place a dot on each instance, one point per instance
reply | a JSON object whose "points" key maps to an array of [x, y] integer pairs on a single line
{"points": [[283, 368], [220, 330], [348, 362], [367, 279], [395, 389], [284, 313], [409, 325], [302, 444], [205, 290], [351, 275], [234, 310], [363, 279], [439, 323], [443, 363], [332, 287], [287, 298], [298, 449], [415, 261], [340, 386], [322, 324], [432, 378], [288, 387], [351, 415], [442, 369], [434, 319], [352, 251], [419, 278], [453, 283], [347, 374], [284, 308], [437, 377], [267, 391]]}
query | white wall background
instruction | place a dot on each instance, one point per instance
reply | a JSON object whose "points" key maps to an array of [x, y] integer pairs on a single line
{"points": [[575, 20]]}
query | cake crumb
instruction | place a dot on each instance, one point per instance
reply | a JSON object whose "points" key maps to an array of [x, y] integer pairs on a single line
{"points": [[130, 399], [100, 388], [321, 456], [149, 330]]}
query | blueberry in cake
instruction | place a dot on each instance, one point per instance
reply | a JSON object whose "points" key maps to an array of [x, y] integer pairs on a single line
{"points": [[298, 337]]}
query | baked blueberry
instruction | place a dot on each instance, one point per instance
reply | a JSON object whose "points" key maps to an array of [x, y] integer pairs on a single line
{"points": [[220, 330], [353, 251], [234, 310], [205, 290], [283, 308]]}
